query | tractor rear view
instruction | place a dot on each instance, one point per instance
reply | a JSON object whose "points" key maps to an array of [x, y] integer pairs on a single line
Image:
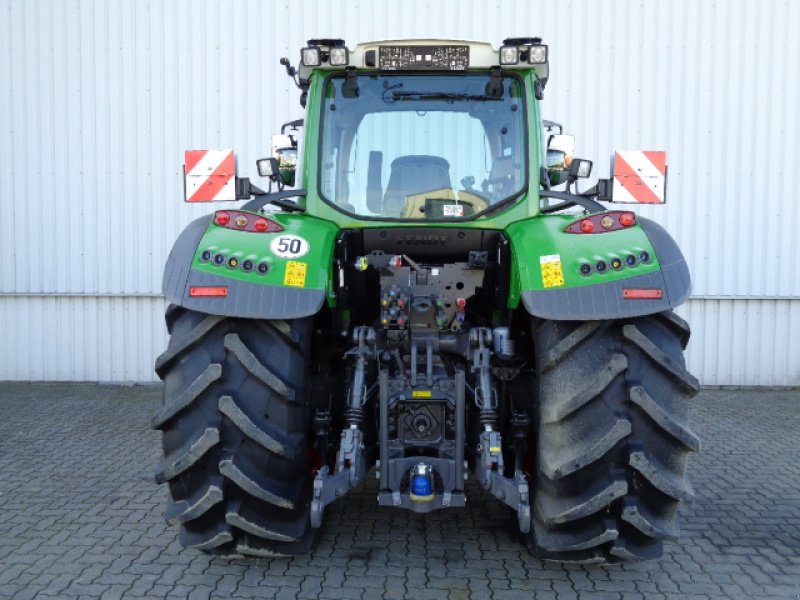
{"points": [[434, 301]]}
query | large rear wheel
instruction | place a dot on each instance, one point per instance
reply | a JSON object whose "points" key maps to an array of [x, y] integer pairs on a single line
{"points": [[611, 437], [234, 423]]}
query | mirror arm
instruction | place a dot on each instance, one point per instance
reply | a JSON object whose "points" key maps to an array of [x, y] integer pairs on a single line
{"points": [[603, 191], [291, 125], [245, 189], [544, 178], [290, 71], [553, 125], [278, 199], [570, 200]]}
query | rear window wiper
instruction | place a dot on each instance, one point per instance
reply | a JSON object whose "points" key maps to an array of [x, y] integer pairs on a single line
{"points": [[450, 97]]}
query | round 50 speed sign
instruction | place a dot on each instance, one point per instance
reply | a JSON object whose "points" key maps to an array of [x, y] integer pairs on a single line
{"points": [[289, 246]]}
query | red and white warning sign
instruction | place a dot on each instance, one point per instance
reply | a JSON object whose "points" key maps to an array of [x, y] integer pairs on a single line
{"points": [[210, 175], [640, 176]]}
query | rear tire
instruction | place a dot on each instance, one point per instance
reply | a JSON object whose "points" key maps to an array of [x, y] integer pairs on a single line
{"points": [[234, 425], [612, 438]]}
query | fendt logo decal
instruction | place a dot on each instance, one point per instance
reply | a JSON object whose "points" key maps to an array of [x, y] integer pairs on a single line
{"points": [[639, 176], [210, 175]]}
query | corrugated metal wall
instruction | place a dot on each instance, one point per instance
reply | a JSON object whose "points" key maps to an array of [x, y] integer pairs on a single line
{"points": [[98, 99]]}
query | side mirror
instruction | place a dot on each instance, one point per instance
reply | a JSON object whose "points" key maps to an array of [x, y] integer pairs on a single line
{"points": [[557, 167], [562, 142], [284, 149], [560, 148], [287, 163]]}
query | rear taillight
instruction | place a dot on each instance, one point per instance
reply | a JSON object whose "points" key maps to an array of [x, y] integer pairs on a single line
{"points": [[242, 221], [602, 223]]}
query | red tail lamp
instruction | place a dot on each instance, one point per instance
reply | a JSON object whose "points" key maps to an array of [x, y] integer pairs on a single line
{"points": [[243, 221], [602, 223]]}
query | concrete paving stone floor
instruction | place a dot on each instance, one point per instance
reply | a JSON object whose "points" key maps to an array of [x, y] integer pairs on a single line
{"points": [[81, 517]]}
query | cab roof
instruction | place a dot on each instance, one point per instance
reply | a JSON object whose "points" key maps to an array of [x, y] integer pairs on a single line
{"points": [[427, 54]]}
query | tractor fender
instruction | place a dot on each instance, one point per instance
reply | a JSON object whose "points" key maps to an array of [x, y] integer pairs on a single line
{"points": [[606, 300], [251, 296]]}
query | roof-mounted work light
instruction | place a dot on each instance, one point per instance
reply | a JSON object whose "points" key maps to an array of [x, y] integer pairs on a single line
{"points": [[537, 54], [338, 56], [580, 168], [310, 56], [509, 55], [523, 49], [333, 51]]}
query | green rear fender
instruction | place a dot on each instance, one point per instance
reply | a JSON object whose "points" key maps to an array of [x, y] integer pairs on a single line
{"points": [[294, 281], [546, 270]]}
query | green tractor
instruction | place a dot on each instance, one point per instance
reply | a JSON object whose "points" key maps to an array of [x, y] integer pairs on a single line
{"points": [[424, 302]]}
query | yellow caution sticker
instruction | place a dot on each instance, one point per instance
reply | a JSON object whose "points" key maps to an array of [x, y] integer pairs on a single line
{"points": [[420, 393], [552, 273], [295, 274]]}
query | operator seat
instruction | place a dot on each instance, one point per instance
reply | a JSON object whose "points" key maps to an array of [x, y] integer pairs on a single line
{"points": [[414, 174], [502, 178]]}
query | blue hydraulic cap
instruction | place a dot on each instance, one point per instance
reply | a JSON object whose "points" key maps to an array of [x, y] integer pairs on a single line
{"points": [[422, 483], [421, 486]]}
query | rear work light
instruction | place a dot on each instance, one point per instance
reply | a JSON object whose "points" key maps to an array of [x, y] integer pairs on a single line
{"points": [[509, 55], [310, 57], [242, 221], [338, 56], [537, 54], [603, 222]]}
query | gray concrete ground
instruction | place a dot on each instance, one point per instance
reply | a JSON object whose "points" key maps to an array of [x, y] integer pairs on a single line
{"points": [[80, 516]]}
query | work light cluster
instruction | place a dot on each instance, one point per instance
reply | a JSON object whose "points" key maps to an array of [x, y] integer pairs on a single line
{"points": [[336, 54], [516, 50]]}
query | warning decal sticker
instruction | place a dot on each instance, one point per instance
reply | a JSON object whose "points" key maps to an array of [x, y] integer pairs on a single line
{"points": [[552, 273], [295, 274], [453, 210]]}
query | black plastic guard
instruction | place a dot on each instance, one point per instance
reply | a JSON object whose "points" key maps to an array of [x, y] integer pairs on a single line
{"points": [[246, 300], [605, 300]]}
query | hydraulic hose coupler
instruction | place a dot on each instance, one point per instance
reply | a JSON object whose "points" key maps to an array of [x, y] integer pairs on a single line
{"points": [[422, 483]]}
